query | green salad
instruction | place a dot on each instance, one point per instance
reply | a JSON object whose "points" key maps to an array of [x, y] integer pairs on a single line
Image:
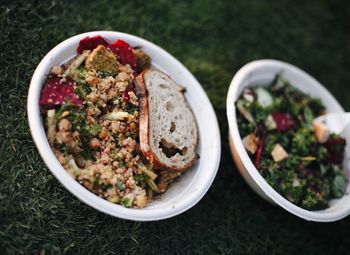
{"points": [[299, 158]]}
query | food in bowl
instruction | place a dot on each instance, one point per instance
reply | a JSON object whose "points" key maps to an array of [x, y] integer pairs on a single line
{"points": [[299, 158], [92, 108]]}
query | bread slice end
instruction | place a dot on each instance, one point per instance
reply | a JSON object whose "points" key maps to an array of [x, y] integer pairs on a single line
{"points": [[157, 154]]}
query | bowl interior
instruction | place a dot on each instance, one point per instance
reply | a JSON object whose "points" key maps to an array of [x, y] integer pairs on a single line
{"points": [[184, 192], [262, 72]]}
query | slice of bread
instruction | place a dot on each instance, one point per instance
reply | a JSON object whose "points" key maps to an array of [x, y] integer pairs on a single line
{"points": [[168, 130]]}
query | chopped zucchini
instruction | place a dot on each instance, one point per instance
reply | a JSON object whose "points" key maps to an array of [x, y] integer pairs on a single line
{"points": [[51, 126], [128, 200], [77, 62], [264, 97], [244, 112], [148, 172], [115, 116]]}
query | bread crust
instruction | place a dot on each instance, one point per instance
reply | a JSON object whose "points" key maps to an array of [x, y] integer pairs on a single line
{"points": [[141, 93], [144, 126]]}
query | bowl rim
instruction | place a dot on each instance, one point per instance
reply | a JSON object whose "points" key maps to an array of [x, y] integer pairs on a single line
{"points": [[89, 198], [319, 216]]}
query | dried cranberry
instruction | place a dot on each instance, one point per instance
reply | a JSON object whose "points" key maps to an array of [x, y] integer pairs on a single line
{"points": [[283, 121], [335, 148], [126, 96], [124, 53], [56, 92], [259, 152], [90, 43]]}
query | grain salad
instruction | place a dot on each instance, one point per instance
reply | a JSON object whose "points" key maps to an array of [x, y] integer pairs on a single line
{"points": [[90, 111]]}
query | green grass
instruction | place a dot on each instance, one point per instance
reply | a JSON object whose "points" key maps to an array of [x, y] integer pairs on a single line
{"points": [[213, 39]]}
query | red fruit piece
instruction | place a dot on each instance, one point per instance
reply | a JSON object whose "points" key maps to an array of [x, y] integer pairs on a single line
{"points": [[124, 53], [56, 93], [259, 152], [335, 148], [90, 43], [126, 96], [283, 121]]}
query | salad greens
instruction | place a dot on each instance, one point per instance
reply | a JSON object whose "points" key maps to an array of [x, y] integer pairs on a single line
{"points": [[300, 159]]}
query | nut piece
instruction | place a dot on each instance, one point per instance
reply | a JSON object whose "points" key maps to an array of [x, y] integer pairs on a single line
{"points": [[94, 143], [140, 201], [64, 137], [133, 127], [278, 153], [103, 134], [57, 70], [64, 125], [250, 143], [92, 97], [321, 131]]}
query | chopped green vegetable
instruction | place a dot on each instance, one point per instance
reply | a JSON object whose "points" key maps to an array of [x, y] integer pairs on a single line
{"points": [[313, 201], [79, 75], [128, 200], [77, 62], [264, 97], [309, 116], [120, 185], [338, 186], [152, 185], [74, 167], [94, 129], [148, 172], [244, 112]]}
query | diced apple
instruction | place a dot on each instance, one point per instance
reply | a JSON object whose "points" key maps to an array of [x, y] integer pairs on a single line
{"points": [[321, 131], [264, 97], [250, 143], [278, 153], [270, 123]]}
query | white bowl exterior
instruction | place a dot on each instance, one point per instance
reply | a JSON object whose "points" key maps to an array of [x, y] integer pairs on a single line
{"points": [[183, 193], [261, 72]]}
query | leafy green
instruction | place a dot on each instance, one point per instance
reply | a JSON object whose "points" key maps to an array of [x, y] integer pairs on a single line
{"points": [[79, 75], [303, 140], [338, 186], [94, 129], [308, 116], [120, 185], [141, 180], [313, 201]]}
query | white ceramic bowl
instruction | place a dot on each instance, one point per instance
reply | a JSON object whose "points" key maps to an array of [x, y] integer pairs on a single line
{"points": [[183, 193], [262, 72]]}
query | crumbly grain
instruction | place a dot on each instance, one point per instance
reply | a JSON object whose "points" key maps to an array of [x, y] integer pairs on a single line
{"points": [[112, 169]]}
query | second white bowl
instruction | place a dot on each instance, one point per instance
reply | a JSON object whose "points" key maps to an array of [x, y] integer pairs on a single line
{"points": [[262, 72]]}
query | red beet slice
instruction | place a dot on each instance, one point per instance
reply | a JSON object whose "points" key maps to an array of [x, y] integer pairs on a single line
{"points": [[56, 93], [283, 121], [90, 43], [124, 53]]}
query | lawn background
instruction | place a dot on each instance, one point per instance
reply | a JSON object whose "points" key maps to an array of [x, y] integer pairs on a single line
{"points": [[211, 38]]}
